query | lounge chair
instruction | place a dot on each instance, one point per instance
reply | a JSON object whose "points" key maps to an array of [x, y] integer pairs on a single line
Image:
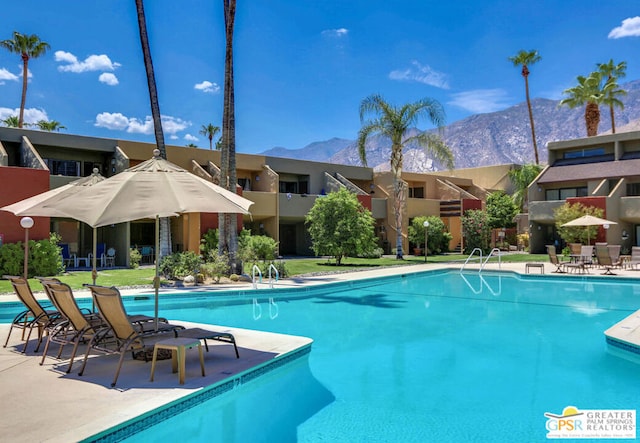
{"points": [[575, 248], [127, 335], [35, 316], [614, 252], [561, 266], [605, 261], [586, 255], [634, 261], [79, 326]]}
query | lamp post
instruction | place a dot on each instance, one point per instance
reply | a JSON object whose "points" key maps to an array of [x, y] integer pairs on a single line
{"points": [[26, 223], [426, 238]]}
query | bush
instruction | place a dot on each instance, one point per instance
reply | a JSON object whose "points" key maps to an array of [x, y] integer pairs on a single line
{"points": [[209, 243], [134, 258], [45, 258], [180, 264], [438, 237], [216, 266], [257, 247], [476, 231]]}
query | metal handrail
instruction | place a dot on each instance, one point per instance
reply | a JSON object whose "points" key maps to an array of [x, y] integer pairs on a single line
{"points": [[469, 258], [271, 266], [489, 256], [253, 276]]}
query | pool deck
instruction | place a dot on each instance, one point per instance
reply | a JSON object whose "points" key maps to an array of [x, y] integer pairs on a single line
{"points": [[43, 403]]}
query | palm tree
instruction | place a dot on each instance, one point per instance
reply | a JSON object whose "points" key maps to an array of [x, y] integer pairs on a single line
{"points": [[50, 126], [526, 59], [393, 122], [11, 122], [588, 92], [28, 46], [210, 131], [612, 72], [521, 179], [228, 237], [165, 227]]}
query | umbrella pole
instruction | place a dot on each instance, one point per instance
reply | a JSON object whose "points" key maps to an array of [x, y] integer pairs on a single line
{"points": [[156, 280], [94, 272]]}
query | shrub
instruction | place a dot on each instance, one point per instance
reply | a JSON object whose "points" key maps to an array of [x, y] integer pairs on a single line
{"points": [[45, 258], [476, 231], [438, 237], [257, 247], [209, 243], [11, 258], [134, 258], [180, 264], [216, 266]]}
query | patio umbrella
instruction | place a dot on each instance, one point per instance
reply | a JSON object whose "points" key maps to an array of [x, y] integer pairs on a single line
{"points": [[153, 189], [589, 220], [37, 206]]}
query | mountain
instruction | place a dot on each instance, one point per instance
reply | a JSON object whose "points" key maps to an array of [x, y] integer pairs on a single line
{"points": [[483, 139]]}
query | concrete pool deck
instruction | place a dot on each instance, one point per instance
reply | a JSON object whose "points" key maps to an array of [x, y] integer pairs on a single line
{"points": [[43, 403]]}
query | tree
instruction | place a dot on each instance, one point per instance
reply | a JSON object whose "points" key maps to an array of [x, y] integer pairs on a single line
{"points": [[210, 131], [437, 236], [612, 72], [501, 210], [11, 122], [588, 92], [228, 229], [525, 59], [521, 178], [28, 46], [50, 126], [340, 226], [165, 226], [576, 234], [393, 122]]}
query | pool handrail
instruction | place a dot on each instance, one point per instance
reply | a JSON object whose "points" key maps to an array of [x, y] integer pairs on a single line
{"points": [[470, 256], [489, 256], [253, 276], [271, 266]]}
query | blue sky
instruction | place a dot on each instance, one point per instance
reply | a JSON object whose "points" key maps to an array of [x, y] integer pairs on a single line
{"points": [[302, 66]]}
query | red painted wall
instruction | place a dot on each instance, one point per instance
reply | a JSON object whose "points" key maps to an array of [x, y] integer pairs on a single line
{"points": [[17, 184], [365, 201], [470, 203]]}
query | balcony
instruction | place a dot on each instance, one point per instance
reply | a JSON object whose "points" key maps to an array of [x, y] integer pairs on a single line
{"points": [[295, 206], [264, 203], [630, 209], [543, 211]]}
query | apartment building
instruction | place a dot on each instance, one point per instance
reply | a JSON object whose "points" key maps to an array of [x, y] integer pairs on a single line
{"points": [[283, 191], [601, 171]]}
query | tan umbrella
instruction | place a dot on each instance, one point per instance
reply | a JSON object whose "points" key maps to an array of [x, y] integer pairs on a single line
{"points": [[153, 189], [37, 206], [589, 220]]}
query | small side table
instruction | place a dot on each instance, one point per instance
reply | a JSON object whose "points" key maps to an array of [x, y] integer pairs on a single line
{"points": [[177, 346], [528, 266]]}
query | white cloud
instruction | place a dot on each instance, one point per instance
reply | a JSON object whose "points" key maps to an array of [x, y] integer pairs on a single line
{"points": [[119, 122], [92, 63], [31, 115], [190, 138], [630, 28], [480, 100], [6, 75], [335, 33], [421, 74], [207, 86], [108, 79]]}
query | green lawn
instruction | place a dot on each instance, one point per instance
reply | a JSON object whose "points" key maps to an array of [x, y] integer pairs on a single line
{"points": [[144, 276]]}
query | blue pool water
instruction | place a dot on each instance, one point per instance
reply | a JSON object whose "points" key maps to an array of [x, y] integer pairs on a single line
{"points": [[427, 357]]}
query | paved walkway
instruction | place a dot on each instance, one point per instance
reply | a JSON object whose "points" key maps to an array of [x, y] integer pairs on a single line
{"points": [[43, 403]]}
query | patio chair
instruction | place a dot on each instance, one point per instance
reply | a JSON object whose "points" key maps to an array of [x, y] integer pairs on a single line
{"points": [[68, 259], [101, 256], [562, 266], [614, 252], [126, 335], [80, 325], [605, 261], [634, 261], [586, 255], [147, 254], [110, 258], [575, 248], [35, 316]]}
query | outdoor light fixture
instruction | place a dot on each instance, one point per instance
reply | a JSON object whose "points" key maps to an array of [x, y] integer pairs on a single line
{"points": [[426, 237], [26, 223]]}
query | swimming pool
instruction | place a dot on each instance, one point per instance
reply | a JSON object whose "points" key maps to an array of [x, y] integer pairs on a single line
{"points": [[436, 356]]}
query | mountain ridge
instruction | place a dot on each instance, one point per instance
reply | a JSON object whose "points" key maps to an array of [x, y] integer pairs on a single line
{"points": [[481, 139]]}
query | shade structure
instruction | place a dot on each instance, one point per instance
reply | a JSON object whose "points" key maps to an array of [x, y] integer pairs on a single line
{"points": [[40, 205], [589, 220], [153, 189]]}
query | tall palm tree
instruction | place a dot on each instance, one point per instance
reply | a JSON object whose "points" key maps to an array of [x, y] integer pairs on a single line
{"points": [[394, 123], [611, 73], [28, 46], [228, 237], [165, 226], [50, 126], [210, 131], [587, 92], [526, 59]]}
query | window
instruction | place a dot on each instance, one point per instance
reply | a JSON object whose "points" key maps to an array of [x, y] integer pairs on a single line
{"points": [[288, 187], [633, 189], [582, 153], [416, 192], [565, 193], [70, 168]]}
